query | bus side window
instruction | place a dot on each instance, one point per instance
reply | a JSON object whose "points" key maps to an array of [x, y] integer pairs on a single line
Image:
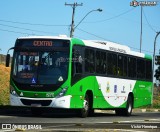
{"points": [[112, 64], [100, 62], [125, 66], [140, 69], [103, 62], [148, 70], [132, 67], [77, 60], [89, 61], [77, 63], [120, 65]]}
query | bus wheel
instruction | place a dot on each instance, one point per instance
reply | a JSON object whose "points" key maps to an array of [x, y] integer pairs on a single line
{"points": [[129, 107], [85, 110], [126, 111]]}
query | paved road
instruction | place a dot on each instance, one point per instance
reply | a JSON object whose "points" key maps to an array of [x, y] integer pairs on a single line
{"points": [[66, 121]]}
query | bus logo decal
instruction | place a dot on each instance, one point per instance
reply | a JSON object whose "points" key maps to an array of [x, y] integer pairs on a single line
{"points": [[115, 88], [108, 88], [60, 79], [123, 91], [33, 80], [130, 87], [21, 94]]}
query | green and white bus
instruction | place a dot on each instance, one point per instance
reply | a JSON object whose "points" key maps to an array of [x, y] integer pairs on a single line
{"points": [[83, 75]]}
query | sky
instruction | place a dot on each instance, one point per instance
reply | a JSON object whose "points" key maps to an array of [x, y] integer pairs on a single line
{"points": [[118, 22]]}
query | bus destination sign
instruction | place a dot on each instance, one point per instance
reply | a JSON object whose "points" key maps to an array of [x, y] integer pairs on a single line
{"points": [[42, 43]]}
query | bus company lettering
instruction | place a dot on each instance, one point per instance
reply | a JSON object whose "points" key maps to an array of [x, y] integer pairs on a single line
{"points": [[117, 49], [43, 43]]}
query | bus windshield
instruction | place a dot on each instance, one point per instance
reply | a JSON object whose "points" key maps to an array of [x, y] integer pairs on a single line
{"points": [[40, 62], [43, 67]]}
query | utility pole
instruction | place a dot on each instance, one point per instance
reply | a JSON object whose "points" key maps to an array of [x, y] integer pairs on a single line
{"points": [[74, 5], [157, 33], [141, 32], [134, 3], [154, 52]]}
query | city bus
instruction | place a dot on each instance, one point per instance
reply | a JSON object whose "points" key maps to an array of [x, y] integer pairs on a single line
{"points": [[82, 75]]}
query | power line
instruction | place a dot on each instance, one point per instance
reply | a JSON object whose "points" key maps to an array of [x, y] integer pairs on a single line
{"points": [[25, 29], [80, 30], [148, 22], [111, 40], [107, 19], [15, 32], [32, 24], [91, 34]]}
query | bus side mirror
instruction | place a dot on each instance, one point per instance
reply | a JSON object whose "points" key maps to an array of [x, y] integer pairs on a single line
{"points": [[7, 60]]}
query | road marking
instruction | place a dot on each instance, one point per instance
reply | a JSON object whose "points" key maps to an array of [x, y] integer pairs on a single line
{"points": [[4, 116], [155, 119], [132, 121], [126, 130], [59, 126], [141, 120], [144, 120], [6, 130]]}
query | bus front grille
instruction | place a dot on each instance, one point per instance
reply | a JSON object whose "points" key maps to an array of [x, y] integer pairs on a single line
{"points": [[30, 102]]}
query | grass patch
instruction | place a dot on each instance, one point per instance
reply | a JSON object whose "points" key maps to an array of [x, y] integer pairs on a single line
{"points": [[4, 84]]}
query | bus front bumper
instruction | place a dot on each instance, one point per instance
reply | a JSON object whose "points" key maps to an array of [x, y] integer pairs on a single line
{"points": [[60, 102]]}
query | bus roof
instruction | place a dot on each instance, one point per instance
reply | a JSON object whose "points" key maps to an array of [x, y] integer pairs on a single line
{"points": [[111, 46], [46, 37]]}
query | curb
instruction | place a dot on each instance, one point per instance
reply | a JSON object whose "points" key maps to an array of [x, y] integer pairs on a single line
{"points": [[146, 110], [134, 111]]}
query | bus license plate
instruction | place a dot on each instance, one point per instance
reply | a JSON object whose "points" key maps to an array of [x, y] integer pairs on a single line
{"points": [[36, 105]]}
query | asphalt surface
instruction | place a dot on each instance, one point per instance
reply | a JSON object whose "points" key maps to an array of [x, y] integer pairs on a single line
{"points": [[12, 119]]}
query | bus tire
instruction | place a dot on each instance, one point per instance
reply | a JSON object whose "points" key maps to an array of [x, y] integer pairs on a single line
{"points": [[85, 110], [126, 111], [129, 106]]}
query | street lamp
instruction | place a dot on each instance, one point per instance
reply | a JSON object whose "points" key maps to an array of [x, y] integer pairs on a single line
{"points": [[99, 10], [154, 61], [154, 51]]}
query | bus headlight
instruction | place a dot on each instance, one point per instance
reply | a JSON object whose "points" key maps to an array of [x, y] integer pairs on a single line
{"points": [[64, 90], [12, 91]]}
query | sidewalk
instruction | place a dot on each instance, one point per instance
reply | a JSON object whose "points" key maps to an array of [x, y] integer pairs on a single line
{"points": [[136, 110]]}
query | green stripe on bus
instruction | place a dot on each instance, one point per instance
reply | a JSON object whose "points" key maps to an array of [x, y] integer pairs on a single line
{"points": [[148, 57], [77, 41]]}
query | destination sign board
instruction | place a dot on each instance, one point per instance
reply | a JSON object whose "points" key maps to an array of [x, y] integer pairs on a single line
{"points": [[42, 43]]}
